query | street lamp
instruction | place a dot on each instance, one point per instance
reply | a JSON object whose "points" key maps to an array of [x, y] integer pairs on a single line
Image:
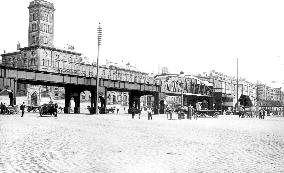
{"points": [[181, 76], [99, 31]]}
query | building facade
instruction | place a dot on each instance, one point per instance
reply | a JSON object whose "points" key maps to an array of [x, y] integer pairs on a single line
{"points": [[268, 96], [226, 93]]}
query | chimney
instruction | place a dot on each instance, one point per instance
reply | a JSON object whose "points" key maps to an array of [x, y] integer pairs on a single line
{"points": [[18, 46]]}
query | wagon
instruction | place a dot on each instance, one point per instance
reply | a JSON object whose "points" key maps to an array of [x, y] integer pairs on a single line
{"points": [[48, 109], [12, 109], [33, 108], [208, 113], [110, 110]]}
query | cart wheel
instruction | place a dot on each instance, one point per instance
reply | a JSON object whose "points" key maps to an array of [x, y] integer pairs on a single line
{"points": [[216, 114], [55, 114]]}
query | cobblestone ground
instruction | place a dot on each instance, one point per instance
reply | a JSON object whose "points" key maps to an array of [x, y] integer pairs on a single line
{"points": [[117, 143]]}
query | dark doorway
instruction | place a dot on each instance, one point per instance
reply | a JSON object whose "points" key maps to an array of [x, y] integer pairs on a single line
{"points": [[162, 107], [34, 99]]}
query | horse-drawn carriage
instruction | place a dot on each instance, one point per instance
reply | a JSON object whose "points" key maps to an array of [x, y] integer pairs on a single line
{"points": [[33, 108], [208, 113], [12, 109], [48, 109]]}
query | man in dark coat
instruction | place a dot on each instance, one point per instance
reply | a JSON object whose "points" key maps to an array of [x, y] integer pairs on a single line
{"points": [[22, 107]]}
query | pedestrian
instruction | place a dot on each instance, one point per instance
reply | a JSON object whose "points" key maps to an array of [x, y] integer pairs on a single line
{"points": [[149, 114], [5, 109], [55, 109], [2, 107], [117, 110], [194, 114], [139, 112], [22, 107], [171, 113], [132, 112], [189, 112], [167, 112], [264, 113]]}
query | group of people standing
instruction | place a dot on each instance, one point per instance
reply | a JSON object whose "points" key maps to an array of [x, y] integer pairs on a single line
{"points": [[4, 108], [262, 113], [188, 111], [138, 111]]}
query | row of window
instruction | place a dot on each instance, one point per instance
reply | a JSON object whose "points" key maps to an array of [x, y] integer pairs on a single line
{"points": [[35, 40], [71, 59], [46, 28], [33, 16], [84, 70], [43, 27], [89, 71], [43, 16]]}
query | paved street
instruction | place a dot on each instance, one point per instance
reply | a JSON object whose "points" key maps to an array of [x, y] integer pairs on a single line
{"points": [[117, 143]]}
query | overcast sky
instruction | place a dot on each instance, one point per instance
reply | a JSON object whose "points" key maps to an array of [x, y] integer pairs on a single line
{"points": [[190, 35]]}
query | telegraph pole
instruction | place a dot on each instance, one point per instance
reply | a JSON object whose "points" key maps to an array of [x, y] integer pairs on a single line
{"points": [[99, 31], [237, 83]]}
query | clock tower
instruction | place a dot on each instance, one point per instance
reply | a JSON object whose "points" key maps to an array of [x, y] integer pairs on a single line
{"points": [[41, 23]]}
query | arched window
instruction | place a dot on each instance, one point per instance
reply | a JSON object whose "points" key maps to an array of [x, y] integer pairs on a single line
{"points": [[33, 39]]}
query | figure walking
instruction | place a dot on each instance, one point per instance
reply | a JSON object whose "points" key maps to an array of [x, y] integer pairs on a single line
{"points": [[139, 112], [133, 112], [2, 108], [189, 112], [150, 114], [171, 114], [22, 107]]}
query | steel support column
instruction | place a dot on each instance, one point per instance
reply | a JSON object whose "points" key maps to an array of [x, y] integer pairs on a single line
{"points": [[93, 102], [67, 100], [156, 103], [77, 104]]}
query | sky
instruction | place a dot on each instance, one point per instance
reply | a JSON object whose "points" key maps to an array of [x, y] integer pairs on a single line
{"points": [[183, 35]]}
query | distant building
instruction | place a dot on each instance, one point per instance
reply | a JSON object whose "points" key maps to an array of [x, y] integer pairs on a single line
{"points": [[225, 89], [165, 70], [268, 96]]}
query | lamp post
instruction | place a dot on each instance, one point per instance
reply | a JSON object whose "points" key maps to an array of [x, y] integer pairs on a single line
{"points": [[99, 32], [181, 76]]}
